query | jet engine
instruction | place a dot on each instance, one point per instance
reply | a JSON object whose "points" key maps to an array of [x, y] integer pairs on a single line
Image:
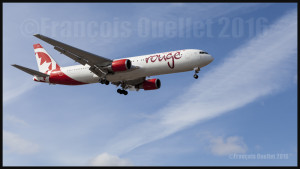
{"points": [[150, 84], [120, 65]]}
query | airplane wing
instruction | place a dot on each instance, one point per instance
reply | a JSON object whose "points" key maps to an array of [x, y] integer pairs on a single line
{"points": [[78, 55], [30, 71]]}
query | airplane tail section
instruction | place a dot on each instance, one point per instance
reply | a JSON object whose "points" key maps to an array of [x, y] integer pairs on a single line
{"points": [[44, 60]]}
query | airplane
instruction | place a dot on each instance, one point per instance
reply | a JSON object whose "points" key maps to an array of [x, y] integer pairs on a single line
{"points": [[129, 73]]}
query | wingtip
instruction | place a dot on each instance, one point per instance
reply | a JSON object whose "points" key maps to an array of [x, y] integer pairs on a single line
{"points": [[15, 65], [37, 35]]}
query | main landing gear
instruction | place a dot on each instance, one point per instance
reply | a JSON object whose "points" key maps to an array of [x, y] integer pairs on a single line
{"points": [[104, 81], [197, 69], [122, 91]]}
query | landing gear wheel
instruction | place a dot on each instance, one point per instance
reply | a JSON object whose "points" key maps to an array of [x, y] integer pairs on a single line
{"points": [[104, 81], [122, 91], [195, 76]]}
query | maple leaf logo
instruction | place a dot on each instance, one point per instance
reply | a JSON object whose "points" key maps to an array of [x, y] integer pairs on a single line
{"points": [[44, 57]]}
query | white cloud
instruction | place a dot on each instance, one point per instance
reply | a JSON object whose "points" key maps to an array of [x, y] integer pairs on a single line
{"points": [[15, 121], [234, 144], [15, 144], [258, 68], [106, 159]]}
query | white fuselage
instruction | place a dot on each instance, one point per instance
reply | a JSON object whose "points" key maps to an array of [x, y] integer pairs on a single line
{"points": [[145, 65]]}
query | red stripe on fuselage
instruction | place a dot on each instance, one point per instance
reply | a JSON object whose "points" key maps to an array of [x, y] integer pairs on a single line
{"points": [[58, 77]]}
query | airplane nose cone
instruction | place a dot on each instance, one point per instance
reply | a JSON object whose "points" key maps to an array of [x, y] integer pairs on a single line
{"points": [[207, 59], [210, 58]]}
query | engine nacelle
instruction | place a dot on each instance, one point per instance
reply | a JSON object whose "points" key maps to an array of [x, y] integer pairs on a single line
{"points": [[120, 65], [150, 84]]}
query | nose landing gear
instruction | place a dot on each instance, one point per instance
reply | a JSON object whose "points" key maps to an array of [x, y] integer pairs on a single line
{"points": [[197, 70]]}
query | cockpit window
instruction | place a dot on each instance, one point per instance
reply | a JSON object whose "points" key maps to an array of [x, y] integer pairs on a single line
{"points": [[202, 52]]}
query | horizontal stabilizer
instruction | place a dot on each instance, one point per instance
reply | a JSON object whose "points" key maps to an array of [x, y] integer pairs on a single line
{"points": [[30, 71]]}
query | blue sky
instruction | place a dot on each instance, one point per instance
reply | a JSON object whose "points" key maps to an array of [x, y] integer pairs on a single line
{"points": [[241, 111]]}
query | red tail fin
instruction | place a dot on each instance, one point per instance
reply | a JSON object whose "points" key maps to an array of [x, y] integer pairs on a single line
{"points": [[44, 60]]}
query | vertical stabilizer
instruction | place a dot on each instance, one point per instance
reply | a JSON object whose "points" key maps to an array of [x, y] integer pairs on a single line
{"points": [[44, 60]]}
